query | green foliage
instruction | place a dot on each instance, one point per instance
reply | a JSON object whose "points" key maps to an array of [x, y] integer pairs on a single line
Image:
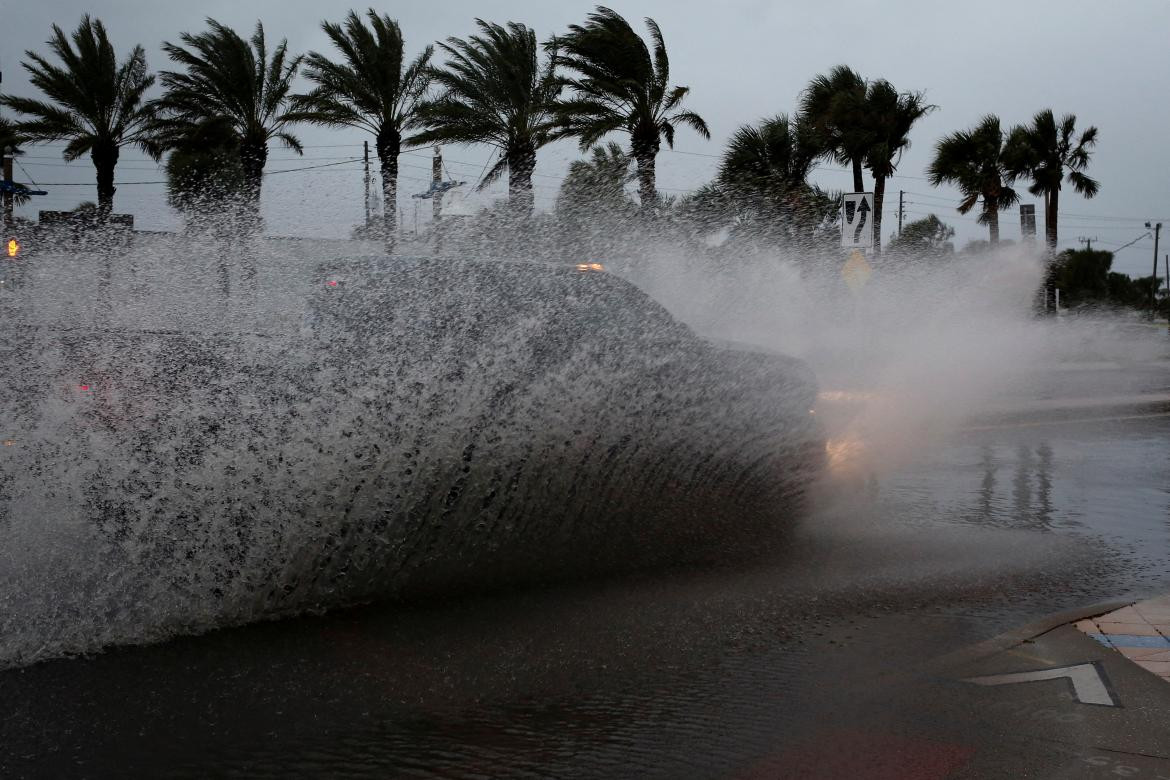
{"points": [[10, 137], [372, 88], [204, 174], [619, 85], [1084, 278], [924, 238], [863, 124], [494, 91], [594, 212], [1044, 151], [94, 103], [833, 105], [973, 160], [239, 83]]}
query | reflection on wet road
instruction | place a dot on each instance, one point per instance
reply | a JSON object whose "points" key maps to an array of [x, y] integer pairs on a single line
{"points": [[741, 671]]}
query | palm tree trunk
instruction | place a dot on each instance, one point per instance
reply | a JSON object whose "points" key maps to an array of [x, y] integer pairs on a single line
{"points": [[1050, 212], [389, 143], [879, 195], [253, 156], [645, 151], [105, 160], [858, 181], [521, 162], [992, 221]]}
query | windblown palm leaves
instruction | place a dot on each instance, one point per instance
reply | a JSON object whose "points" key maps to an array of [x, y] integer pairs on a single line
{"points": [[94, 103], [372, 87], [495, 91], [228, 79], [973, 161], [1044, 151], [620, 85], [889, 116], [833, 106]]}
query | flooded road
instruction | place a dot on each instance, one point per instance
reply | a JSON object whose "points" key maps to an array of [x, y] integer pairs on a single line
{"points": [[690, 673]]}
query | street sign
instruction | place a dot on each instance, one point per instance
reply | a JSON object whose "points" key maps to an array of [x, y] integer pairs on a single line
{"points": [[856, 271], [1027, 220], [857, 220], [1088, 681]]}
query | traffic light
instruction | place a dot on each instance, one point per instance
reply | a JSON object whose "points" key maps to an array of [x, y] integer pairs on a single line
{"points": [[13, 247]]}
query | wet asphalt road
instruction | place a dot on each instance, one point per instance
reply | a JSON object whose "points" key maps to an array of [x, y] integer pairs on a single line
{"points": [[813, 664]]}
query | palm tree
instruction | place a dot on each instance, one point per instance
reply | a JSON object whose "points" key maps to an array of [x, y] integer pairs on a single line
{"points": [[764, 177], [372, 88], [94, 103], [229, 79], [833, 106], [1043, 151], [496, 92], [973, 160], [599, 181], [10, 141], [772, 158], [10, 138], [888, 117], [594, 211], [204, 175], [620, 86]]}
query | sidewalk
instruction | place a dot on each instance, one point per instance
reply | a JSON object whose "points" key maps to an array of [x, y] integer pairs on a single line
{"points": [[1140, 632]]}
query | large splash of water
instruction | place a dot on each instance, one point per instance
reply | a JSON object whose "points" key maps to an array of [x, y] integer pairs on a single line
{"points": [[182, 456]]}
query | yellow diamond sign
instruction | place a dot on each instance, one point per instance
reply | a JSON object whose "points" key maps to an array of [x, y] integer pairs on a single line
{"points": [[856, 271]]}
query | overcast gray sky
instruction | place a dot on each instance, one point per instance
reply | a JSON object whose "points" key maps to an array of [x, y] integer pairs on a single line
{"points": [[744, 60]]}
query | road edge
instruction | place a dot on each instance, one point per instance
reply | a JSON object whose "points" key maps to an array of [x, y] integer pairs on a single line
{"points": [[1021, 634]]}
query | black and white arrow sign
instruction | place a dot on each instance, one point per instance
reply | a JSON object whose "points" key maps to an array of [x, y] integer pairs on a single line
{"points": [[856, 220], [1088, 682]]}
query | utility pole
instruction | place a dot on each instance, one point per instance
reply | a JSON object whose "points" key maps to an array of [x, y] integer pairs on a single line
{"points": [[7, 152], [901, 211], [366, 165], [6, 155], [436, 181], [1154, 274], [1088, 242]]}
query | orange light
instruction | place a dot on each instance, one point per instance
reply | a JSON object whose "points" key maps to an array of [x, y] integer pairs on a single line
{"points": [[13, 247]]}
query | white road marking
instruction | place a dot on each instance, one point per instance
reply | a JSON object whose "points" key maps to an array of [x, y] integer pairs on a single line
{"points": [[1087, 683]]}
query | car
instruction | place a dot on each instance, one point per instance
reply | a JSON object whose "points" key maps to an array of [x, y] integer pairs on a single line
{"points": [[431, 425]]}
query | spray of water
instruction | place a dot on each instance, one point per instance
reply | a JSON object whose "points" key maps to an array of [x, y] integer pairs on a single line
{"points": [[201, 432]]}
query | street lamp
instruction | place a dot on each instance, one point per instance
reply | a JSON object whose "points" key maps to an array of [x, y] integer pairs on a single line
{"points": [[1154, 275]]}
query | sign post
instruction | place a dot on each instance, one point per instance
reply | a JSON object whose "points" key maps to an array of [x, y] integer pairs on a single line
{"points": [[857, 235], [857, 220]]}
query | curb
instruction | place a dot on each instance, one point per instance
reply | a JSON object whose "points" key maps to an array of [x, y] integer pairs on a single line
{"points": [[1021, 634]]}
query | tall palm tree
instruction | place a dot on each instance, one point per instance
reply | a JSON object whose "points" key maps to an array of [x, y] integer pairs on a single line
{"points": [[226, 78], [1044, 151], [494, 91], [372, 88], [889, 115], [95, 104], [834, 106], [973, 160], [621, 86]]}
